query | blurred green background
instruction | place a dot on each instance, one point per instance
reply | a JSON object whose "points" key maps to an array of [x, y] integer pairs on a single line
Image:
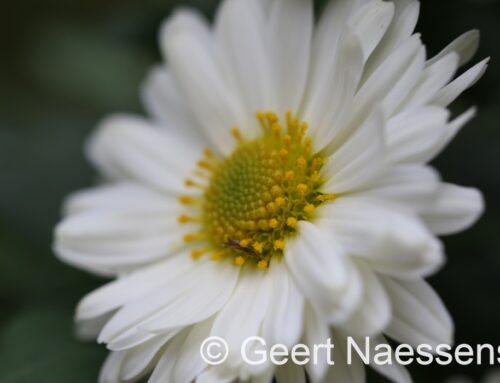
{"points": [[65, 64]]}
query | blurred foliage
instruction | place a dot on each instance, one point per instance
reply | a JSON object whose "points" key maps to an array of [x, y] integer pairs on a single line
{"points": [[64, 65]]}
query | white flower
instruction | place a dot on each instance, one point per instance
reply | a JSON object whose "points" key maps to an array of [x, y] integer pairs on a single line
{"points": [[280, 189]]}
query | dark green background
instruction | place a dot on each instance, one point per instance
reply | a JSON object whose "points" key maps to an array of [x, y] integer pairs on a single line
{"points": [[65, 64]]}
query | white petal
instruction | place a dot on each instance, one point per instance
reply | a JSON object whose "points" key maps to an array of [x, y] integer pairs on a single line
{"points": [[189, 363], [132, 287], [242, 316], [381, 82], [341, 371], [328, 103], [163, 370], [326, 37], [415, 136], [323, 273], [183, 300], [454, 89], [414, 185], [403, 86], [419, 316], [290, 373], [370, 24], [393, 371], [374, 314], [402, 26], [115, 229], [201, 79], [130, 148], [435, 76], [139, 358], [162, 99], [465, 46], [455, 209], [240, 37], [110, 371], [359, 160], [393, 241], [316, 331], [291, 27], [284, 318], [89, 329], [210, 376]]}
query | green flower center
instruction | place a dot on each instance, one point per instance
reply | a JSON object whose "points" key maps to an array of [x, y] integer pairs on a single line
{"points": [[255, 197]]}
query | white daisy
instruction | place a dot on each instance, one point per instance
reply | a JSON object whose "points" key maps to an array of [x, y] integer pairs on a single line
{"points": [[279, 189]]}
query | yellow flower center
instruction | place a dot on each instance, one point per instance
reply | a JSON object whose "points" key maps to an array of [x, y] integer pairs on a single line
{"points": [[253, 199]]}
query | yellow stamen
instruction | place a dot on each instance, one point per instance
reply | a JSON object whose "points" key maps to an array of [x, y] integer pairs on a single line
{"points": [[262, 265], [291, 222], [239, 261]]}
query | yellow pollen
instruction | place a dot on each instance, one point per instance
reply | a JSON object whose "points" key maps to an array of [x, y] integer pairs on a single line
{"points": [[309, 208], [302, 188], [262, 265], [280, 201], [236, 134], [258, 247], [244, 242], [279, 244], [239, 261], [252, 200]]}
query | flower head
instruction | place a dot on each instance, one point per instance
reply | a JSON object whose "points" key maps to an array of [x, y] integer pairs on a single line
{"points": [[279, 189]]}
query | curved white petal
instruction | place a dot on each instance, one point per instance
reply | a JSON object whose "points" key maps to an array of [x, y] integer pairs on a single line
{"points": [[434, 77], [413, 136], [359, 160], [242, 317], [370, 24], [419, 316], [189, 363], [201, 79], [465, 46], [450, 92], [373, 316], [132, 287], [183, 300], [455, 209], [414, 185], [323, 272], [164, 368], [164, 103], [316, 331], [138, 359], [391, 240], [403, 24], [240, 36], [132, 149], [392, 371], [110, 371], [283, 323], [328, 103], [341, 371], [114, 229], [290, 32]]}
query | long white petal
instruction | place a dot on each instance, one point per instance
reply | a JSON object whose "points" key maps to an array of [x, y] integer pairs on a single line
{"points": [[465, 46], [132, 149], [241, 42], [323, 273], [449, 93], [201, 79], [291, 27], [395, 241], [419, 316], [455, 209]]}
